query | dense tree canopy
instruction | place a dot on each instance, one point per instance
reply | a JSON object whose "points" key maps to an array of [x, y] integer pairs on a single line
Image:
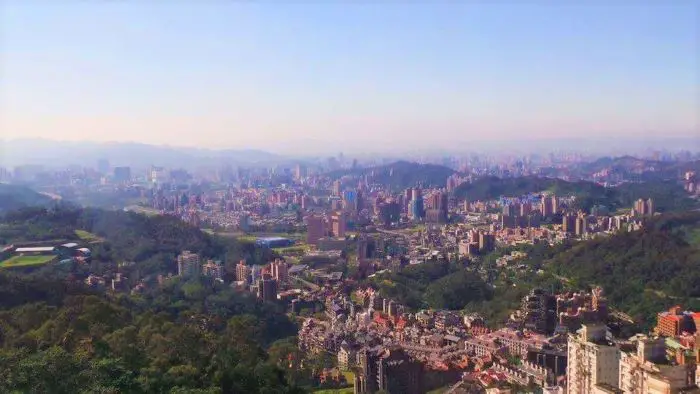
{"points": [[642, 271], [76, 341], [667, 195]]}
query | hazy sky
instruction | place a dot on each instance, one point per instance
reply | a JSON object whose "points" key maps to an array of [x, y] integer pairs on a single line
{"points": [[334, 76]]}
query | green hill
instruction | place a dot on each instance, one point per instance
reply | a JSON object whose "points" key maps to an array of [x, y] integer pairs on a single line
{"points": [[186, 337], [668, 195], [401, 174], [16, 196], [194, 336], [644, 271], [151, 242]]}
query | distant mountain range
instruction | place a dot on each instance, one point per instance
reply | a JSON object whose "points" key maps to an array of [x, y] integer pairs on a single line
{"points": [[401, 174], [64, 153], [16, 196]]}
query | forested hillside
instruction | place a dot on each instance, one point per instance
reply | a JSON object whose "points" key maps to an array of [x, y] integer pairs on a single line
{"points": [[196, 337], [150, 242], [668, 195], [644, 271], [199, 336], [14, 197]]}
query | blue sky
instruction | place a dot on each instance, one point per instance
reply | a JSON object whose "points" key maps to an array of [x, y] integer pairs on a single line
{"points": [[304, 76]]}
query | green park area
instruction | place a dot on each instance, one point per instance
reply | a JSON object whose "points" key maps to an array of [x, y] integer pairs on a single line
{"points": [[24, 261], [87, 236]]}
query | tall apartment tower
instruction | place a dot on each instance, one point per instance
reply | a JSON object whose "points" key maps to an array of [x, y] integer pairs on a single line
{"points": [[647, 371], [568, 223], [593, 362], [546, 206], [267, 288], [338, 224], [581, 225], [337, 188], [242, 272], [555, 204], [279, 270], [315, 229], [188, 264]]}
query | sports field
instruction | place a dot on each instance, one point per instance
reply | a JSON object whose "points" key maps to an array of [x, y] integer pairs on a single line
{"points": [[24, 261]]}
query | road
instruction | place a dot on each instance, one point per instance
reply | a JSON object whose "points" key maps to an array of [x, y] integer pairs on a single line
{"points": [[310, 285], [394, 232]]}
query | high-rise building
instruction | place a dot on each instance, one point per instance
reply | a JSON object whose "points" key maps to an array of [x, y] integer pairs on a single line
{"points": [[581, 227], [157, 174], [242, 272], [555, 204], [525, 209], [338, 224], [644, 207], [213, 269], [593, 361], [337, 188], [315, 229], [267, 288], [279, 271], [122, 174], [510, 210], [188, 264], [675, 321], [486, 241], [647, 370], [651, 208], [417, 208], [416, 193], [299, 172], [546, 206], [568, 223]]}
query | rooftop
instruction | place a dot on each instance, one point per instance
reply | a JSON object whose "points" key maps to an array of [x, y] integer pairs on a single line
{"points": [[35, 249]]}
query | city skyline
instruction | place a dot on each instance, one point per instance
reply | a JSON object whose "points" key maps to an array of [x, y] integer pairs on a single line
{"points": [[308, 78]]}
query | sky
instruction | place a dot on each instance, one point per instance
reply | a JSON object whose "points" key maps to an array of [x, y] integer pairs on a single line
{"points": [[331, 76]]}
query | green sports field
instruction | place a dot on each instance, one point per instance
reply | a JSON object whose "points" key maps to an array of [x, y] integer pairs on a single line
{"points": [[24, 261]]}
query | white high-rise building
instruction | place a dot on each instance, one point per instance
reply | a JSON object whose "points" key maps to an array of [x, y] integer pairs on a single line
{"points": [[593, 362], [647, 371]]}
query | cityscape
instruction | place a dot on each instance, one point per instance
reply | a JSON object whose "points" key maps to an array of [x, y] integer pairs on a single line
{"points": [[349, 198]]}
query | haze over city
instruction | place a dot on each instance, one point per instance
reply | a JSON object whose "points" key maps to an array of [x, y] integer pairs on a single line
{"points": [[309, 78]]}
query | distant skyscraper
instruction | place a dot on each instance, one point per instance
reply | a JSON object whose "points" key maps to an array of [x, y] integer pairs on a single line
{"points": [[299, 172], [188, 264], [547, 207], [555, 205], [569, 223], [157, 175], [122, 174], [644, 207], [315, 229], [338, 224], [337, 188], [581, 225], [525, 209]]}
